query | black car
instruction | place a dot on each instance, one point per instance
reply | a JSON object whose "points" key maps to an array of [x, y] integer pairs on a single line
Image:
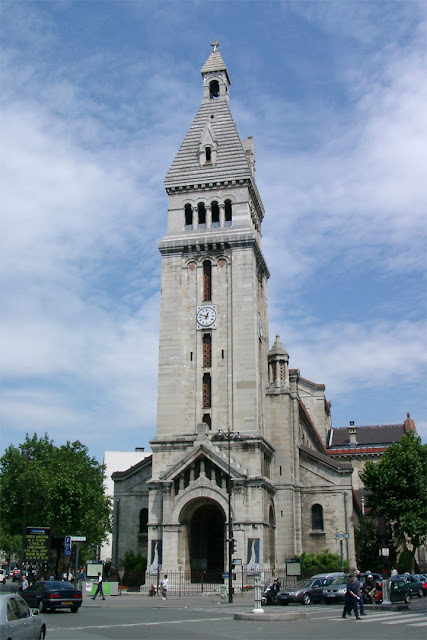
{"points": [[53, 594]]}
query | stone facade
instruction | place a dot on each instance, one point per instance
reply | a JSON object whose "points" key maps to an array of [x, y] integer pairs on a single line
{"points": [[239, 448]]}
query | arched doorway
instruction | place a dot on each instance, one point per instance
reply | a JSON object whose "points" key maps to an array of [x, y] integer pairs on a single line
{"points": [[206, 542]]}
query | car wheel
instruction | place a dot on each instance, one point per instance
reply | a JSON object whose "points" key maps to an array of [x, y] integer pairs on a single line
{"points": [[42, 634], [307, 598], [408, 599], [74, 609]]}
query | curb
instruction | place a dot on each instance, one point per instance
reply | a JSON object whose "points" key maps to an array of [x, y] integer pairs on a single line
{"points": [[260, 616]]}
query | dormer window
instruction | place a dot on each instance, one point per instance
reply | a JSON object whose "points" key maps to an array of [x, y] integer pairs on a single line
{"points": [[208, 154], [214, 89]]}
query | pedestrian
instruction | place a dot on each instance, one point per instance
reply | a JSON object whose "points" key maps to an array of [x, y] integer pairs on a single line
{"points": [[357, 586], [351, 598], [24, 583], [165, 587], [99, 587]]}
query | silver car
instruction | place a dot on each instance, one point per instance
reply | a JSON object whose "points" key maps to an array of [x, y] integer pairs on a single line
{"points": [[18, 621]]}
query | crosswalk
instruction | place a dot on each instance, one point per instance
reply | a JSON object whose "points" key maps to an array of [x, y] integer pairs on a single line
{"points": [[394, 617]]}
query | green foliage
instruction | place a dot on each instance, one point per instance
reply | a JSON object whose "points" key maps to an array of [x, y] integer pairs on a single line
{"points": [[10, 545], [322, 563], [405, 561], [133, 561], [368, 543], [64, 491], [398, 488]]}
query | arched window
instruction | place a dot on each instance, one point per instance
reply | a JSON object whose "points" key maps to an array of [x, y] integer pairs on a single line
{"points": [[207, 280], [202, 214], [143, 521], [207, 350], [215, 214], [228, 216], [207, 394], [208, 154], [188, 216], [317, 517], [214, 89]]}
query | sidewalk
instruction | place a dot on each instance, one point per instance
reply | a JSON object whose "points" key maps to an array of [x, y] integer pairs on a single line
{"points": [[244, 600]]}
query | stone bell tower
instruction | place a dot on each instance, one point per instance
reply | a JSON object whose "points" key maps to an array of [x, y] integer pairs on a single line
{"points": [[213, 351]]}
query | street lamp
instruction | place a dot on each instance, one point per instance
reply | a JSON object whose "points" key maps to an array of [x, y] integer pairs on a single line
{"points": [[28, 457], [229, 437]]}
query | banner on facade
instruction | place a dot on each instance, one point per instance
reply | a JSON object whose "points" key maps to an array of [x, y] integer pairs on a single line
{"points": [[253, 556], [156, 557]]}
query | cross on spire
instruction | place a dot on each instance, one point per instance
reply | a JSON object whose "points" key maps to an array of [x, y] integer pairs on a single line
{"points": [[215, 44]]}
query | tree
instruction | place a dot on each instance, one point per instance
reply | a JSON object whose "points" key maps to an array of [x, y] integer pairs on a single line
{"points": [[64, 491], [398, 489], [368, 542], [321, 563]]}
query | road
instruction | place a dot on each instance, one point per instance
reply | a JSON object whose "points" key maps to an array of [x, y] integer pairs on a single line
{"points": [[203, 618]]}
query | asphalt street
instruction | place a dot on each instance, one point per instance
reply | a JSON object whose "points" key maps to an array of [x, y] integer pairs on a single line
{"points": [[129, 617]]}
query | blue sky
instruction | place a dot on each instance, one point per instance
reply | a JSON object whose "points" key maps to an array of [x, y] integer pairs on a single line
{"points": [[96, 99]]}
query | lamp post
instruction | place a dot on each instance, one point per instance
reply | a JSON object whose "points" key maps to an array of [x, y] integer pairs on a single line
{"points": [[28, 457], [229, 437]]}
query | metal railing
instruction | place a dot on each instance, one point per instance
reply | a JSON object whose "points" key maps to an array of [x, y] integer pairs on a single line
{"points": [[183, 583]]}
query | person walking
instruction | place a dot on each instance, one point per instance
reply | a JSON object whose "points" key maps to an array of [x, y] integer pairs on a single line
{"points": [[165, 587], [24, 583], [351, 599], [99, 587], [357, 585]]}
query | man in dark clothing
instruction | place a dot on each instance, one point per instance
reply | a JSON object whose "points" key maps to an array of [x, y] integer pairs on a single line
{"points": [[351, 599], [357, 586]]}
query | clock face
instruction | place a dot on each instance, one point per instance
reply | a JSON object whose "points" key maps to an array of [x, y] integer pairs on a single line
{"points": [[206, 317]]}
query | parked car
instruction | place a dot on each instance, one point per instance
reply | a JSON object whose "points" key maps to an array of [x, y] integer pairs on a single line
{"points": [[307, 590], [415, 583], [335, 592], [3, 576], [53, 594], [18, 621], [399, 589], [16, 575]]}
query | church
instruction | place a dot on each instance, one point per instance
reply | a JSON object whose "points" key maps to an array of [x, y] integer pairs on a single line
{"points": [[239, 462]]}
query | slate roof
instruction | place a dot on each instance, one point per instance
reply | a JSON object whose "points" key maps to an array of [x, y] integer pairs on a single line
{"points": [[231, 163], [376, 435], [326, 459], [119, 475]]}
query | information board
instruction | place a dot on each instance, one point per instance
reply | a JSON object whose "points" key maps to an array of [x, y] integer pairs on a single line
{"points": [[37, 544]]}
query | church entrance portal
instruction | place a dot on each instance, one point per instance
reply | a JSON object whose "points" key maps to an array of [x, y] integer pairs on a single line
{"points": [[206, 543]]}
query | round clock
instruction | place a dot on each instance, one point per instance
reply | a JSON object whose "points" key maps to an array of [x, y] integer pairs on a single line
{"points": [[206, 316]]}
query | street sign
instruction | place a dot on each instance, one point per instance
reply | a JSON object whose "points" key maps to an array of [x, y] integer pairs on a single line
{"points": [[67, 546], [77, 538], [340, 535]]}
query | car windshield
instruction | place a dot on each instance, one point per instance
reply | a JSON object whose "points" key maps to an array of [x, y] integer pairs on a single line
{"points": [[340, 580], [301, 584], [54, 585]]}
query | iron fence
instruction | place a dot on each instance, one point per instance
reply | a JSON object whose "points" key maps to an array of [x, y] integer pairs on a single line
{"points": [[187, 583]]}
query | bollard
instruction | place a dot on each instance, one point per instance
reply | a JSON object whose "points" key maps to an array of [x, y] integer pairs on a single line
{"points": [[386, 592], [257, 595]]}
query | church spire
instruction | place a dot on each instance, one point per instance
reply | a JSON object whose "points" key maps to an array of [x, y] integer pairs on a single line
{"points": [[215, 75]]}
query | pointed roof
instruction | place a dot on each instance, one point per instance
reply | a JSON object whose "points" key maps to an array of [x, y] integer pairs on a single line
{"points": [[231, 161], [215, 62], [278, 349]]}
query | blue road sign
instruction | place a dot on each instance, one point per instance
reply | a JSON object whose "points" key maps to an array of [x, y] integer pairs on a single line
{"points": [[67, 546]]}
